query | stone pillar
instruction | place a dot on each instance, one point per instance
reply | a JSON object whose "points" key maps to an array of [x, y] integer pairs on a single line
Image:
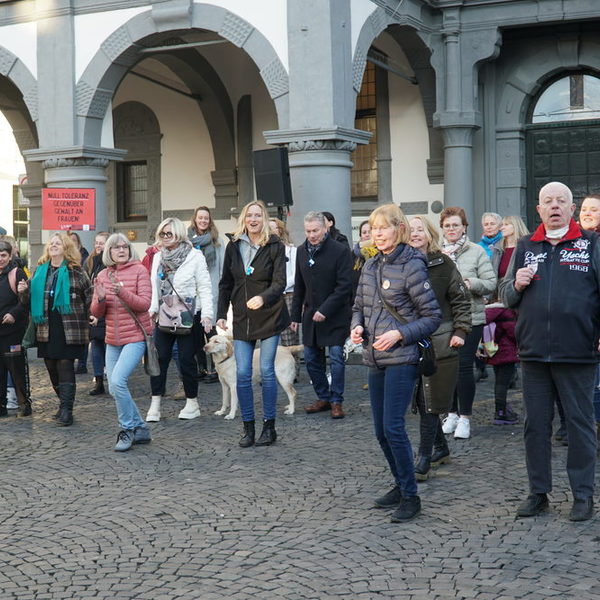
{"points": [[33, 193], [320, 174], [458, 168], [78, 168]]}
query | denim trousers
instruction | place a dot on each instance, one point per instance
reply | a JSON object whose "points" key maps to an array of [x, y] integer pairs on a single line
{"points": [[314, 357], [98, 357], [185, 357], [120, 363], [391, 390], [244, 352], [597, 397]]}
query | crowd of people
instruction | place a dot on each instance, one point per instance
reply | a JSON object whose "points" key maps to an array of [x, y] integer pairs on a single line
{"points": [[405, 286]]}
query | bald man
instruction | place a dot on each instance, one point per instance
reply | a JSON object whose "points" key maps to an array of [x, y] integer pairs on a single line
{"points": [[553, 281]]}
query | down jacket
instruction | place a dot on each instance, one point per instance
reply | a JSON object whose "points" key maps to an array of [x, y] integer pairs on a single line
{"points": [[409, 291], [474, 265], [136, 292], [191, 280]]}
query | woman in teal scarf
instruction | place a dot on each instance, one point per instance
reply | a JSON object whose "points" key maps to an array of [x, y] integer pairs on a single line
{"points": [[60, 294]]}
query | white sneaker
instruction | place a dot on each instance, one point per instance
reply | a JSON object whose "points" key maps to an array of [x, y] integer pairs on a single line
{"points": [[449, 423], [11, 398], [191, 410], [463, 429], [153, 415]]}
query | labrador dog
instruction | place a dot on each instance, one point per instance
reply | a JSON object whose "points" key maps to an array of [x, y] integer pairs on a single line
{"points": [[220, 347]]}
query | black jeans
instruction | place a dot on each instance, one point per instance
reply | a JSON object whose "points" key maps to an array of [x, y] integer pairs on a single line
{"points": [[503, 376], [187, 361], [465, 388], [15, 363]]}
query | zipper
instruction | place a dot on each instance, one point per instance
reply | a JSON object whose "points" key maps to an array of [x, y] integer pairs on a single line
{"points": [[549, 307]]}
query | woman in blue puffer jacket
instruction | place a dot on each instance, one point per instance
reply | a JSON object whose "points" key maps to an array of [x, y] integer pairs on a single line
{"points": [[396, 277]]}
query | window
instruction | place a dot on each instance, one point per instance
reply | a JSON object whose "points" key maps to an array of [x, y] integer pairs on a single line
{"points": [[573, 98], [20, 224], [132, 190], [364, 172]]}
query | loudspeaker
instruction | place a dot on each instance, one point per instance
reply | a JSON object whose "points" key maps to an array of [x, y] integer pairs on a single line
{"points": [[272, 177]]}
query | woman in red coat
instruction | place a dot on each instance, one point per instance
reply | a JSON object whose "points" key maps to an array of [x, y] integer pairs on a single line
{"points": [[122, 295]]}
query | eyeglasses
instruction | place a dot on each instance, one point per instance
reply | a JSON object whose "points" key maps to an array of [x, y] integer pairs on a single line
{"points": [[452, 225], [166, 234], [120, 247]]}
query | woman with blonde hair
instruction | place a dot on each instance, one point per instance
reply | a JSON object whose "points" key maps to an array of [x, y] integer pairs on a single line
{"points": [[179, 275], [204, 235], [60, 294], [253, 281], [435, 393], [394, 309]]}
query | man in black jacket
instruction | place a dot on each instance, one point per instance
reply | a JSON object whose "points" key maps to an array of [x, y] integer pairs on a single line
{"points": [[322, 292], [553, 281]]}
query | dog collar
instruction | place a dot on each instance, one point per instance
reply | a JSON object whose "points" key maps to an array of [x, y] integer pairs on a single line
{"points": [[221, 362]]}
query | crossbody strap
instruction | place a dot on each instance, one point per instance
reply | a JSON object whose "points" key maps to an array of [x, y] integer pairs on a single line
{"points": [[127, 308], [173, 288], [386, 304]]}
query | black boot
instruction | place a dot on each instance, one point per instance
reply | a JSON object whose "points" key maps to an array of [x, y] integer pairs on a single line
{"points": [[422, 467], [248, 439], [57, 392], [441, 452], [268, 434], [67, 399], [99, 387]]}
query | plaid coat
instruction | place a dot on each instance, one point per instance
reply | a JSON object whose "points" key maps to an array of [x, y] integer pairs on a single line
{"points": [[76, 325]]}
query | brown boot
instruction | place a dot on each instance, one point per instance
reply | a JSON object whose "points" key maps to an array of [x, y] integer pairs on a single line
{"points": [[318, 406], [336, 410]]}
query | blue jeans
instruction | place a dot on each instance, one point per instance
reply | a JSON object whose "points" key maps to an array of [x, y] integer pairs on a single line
{"points": [[120, 363], [391, 391], [314, 357], [244, 352], [98, 354]]}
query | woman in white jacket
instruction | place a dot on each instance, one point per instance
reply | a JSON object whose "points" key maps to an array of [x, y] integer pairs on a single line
{"points": [[179, 271]]}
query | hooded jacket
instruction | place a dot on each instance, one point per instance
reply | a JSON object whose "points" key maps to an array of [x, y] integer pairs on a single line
{"points": [[405, 286]]}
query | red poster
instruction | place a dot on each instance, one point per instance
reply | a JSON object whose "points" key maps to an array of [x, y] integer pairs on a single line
{"points": [[69, 208]]}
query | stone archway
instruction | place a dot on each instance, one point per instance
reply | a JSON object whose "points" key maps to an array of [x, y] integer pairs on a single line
{"points": [[121, 51]]}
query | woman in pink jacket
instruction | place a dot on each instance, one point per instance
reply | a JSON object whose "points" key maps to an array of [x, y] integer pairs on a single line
{"points": [[123, 290]]}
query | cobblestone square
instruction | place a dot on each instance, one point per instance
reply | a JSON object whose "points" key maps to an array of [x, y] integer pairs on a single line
{"points": [[192, 516]]}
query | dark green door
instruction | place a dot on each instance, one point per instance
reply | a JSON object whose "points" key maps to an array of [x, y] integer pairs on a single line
{"points": [[566, 152]]}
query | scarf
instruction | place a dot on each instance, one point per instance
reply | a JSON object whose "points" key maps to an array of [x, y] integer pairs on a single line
{"points": [[452, 250], [60, 292], [170, 261], [487, 242], [557, 234], [203, 241]]}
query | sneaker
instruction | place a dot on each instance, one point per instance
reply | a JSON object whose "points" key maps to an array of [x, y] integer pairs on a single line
{"points": [[124, 440], [11, 399], [392, 498], [506, 417], [141, 435], [463, 429], [582, 510], [533, 505], [409, 508], [449, 423]]}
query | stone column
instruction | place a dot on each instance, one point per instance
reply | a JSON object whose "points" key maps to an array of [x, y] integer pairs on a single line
{"points": [[458, 168]]}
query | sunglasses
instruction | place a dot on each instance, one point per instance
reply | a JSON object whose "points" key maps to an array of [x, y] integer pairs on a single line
{"points": [[166, 234]]}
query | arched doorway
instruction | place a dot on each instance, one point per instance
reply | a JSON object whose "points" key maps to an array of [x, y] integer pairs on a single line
{"points": [[563, 137]]}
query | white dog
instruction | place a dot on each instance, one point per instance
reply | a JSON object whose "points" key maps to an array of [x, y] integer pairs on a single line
{"points": [[221, 349]]}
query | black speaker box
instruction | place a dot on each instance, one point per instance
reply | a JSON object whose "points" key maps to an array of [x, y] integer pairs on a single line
{"points": [[272, 177]]}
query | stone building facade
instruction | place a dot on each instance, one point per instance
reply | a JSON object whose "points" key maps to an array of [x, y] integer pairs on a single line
{"points": [[159, 104]]}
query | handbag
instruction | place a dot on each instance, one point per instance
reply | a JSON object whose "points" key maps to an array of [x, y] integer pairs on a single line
{"points": [[427, 365], [151, 364], [487, 347], [174, 314]]}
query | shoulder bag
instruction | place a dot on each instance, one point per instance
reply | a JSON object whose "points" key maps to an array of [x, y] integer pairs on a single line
{"points": [[174, 315], [427, 364]]}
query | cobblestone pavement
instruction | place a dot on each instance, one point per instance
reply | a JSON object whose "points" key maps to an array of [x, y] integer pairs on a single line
{"points": [[193, 516]]}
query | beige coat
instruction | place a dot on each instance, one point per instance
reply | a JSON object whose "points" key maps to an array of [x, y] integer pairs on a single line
{"points": [[477, 271]]}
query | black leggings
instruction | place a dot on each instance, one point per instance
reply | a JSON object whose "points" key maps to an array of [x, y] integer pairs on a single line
{"points": [[60, 370], [465, 388], [504, 375], [16, 365]]}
